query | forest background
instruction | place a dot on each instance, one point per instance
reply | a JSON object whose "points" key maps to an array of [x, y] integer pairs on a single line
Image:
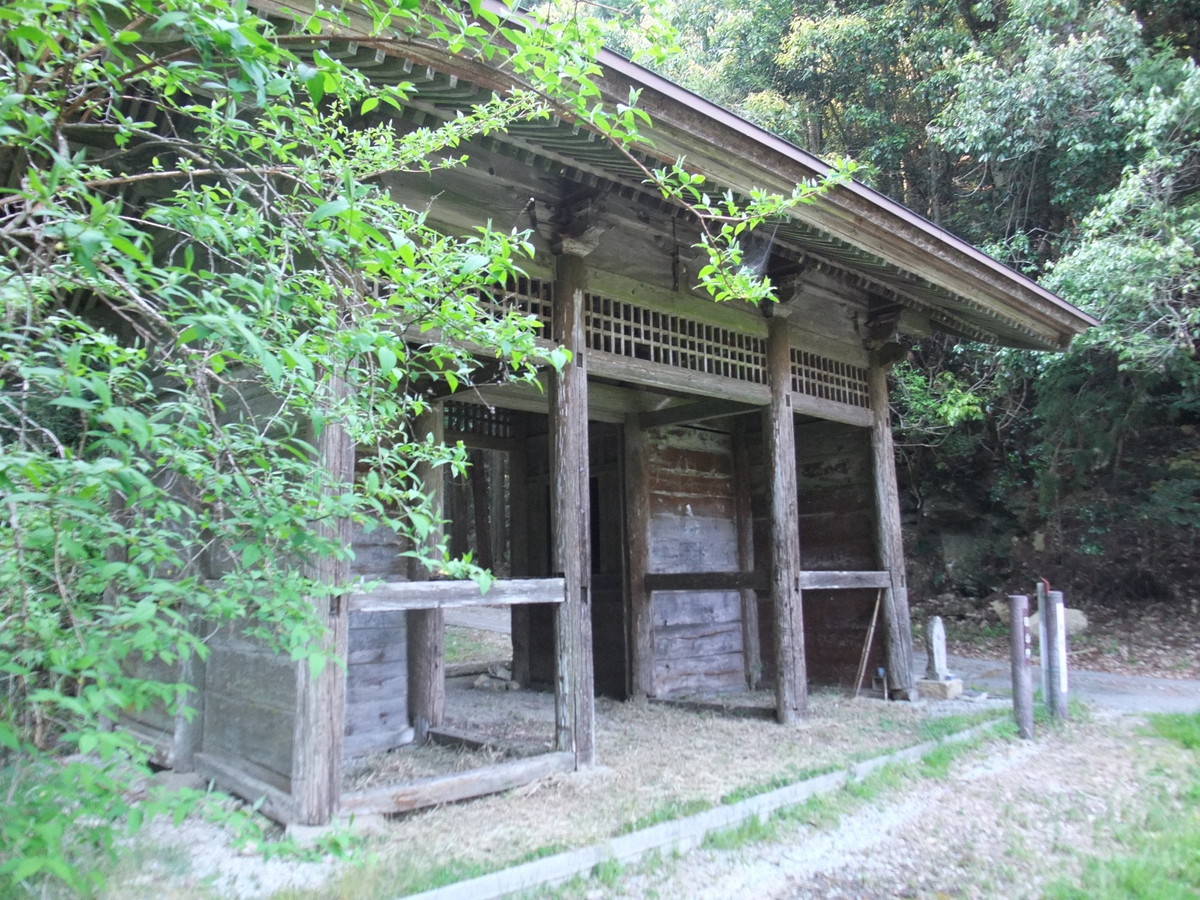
{"points": [[1063, 137]]}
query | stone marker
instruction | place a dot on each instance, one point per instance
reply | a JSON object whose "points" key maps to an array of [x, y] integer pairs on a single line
{"points": [[938, 683]]}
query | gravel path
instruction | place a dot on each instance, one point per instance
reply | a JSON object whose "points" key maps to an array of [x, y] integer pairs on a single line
{"points": [[1008, 819]]}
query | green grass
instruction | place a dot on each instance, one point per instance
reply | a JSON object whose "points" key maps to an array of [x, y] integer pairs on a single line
{"points": [[790, 775], [668, 812], [751, 831], [1163, 858], [935, 729]]}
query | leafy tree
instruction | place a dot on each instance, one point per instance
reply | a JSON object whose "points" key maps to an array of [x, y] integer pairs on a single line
{"points": [[203, 283]]}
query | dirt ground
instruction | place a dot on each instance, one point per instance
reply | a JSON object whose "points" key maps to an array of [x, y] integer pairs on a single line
{"points": [[980, 831], [1158, 640]]}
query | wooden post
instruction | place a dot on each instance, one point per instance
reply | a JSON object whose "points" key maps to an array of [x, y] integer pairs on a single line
{"points": [[637, 512], [1052, 618], [791, 677], [1018, 627], [427, 627], [899, 650], [744, 518], [321, 697], [518, 495], [574, 694]]}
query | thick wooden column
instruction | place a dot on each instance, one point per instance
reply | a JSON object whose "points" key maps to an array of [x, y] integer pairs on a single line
{"points": [[570, 522], [744, 518], [427, 627], [890, 539], [637, 525], [321, 696], [518, 493], [791, 678]]}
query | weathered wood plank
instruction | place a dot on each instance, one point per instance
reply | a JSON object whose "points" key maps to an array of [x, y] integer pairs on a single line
{"points": [[276, 804], [707, 581], [459, 786], [689, 607], [415, 595], [836, 581], [699, 411]]}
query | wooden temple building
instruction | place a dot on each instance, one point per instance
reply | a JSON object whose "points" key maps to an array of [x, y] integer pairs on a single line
{"points": [[704, 499]]}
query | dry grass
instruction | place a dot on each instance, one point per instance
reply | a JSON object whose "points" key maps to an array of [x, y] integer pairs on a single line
{"points": [[655, 758]]}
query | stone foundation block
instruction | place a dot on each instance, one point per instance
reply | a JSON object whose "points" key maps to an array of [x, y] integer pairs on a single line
{"points": [[940, 690]]}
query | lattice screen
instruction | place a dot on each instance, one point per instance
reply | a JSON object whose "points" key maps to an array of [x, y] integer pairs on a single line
{"points": [[636, 332], [470, 418], [829, 379], [531, 296], [614, 326]]}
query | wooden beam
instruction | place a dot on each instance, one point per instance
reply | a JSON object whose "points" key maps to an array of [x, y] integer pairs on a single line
{"points": [[791, 682], [838, 581], [744, 522], [708, 581], [433, 595], [574, 694], [699, 411], [459, 786], [637, 525], [320, 720], [276, 804], [426, 624], [890, 540]]}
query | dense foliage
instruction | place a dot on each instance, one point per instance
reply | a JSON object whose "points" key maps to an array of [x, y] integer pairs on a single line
{"points": [[1062, 137], [205, 287]]}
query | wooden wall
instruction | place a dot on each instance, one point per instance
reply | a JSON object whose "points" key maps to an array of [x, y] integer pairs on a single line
{"points": [[377, 670], [249, 708], [837, 533], [697, 634]]}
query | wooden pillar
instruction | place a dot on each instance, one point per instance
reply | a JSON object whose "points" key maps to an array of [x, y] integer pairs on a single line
{"points": [[791, 678], [637, 514], [744, 518], [890, 539], [574, 694], [427, 627], [321, 696], [518, 492]]}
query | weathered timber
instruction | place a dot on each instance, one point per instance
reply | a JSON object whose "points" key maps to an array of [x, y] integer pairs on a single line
{"points": [[519, 498], [1022, 680], [698, 411], [427, 624], [729, 711], [744, 519], [321, 696], [276, 804], [791, 687], [459, 786], [574, 694], [637, 527], [836, 581], [899, 648], [707, 581], [459, 740], [433, 595]]}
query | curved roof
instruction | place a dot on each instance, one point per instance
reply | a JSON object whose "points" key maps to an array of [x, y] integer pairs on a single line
{"points": [[893, 252]]}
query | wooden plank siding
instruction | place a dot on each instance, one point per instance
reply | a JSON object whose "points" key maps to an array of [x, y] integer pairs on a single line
{"points": [[696, 633]]}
